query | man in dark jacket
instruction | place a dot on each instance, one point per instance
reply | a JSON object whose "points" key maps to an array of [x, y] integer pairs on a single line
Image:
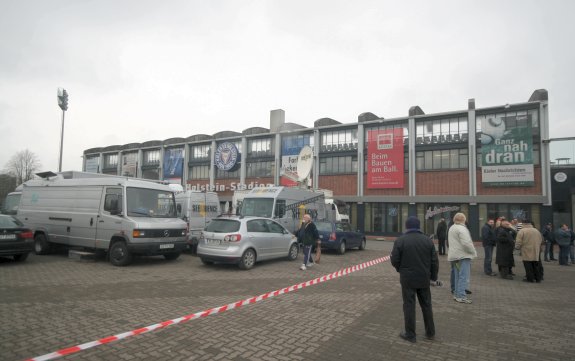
{"points": [[441, 235], [549, 237], [489, 241], [415, 258], [310, 237], [563, 239]]}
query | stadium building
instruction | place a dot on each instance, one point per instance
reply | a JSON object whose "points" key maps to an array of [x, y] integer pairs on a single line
{"points": [[485, 162]]}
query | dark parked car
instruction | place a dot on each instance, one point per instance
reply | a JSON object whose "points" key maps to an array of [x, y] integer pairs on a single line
{"points": [[339, 236], [15, 239]]}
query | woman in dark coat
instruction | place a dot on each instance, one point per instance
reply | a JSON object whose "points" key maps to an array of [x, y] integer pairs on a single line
{"points": [[505, 246]]}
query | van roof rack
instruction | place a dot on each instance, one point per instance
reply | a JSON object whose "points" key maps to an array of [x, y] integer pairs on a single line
{"points": [[46, 175]]}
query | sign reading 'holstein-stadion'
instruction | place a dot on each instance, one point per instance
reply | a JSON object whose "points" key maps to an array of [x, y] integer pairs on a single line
{"points": [[507, 154]]}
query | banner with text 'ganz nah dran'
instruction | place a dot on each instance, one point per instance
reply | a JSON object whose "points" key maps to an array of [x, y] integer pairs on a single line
{"points": [[507, 154]]}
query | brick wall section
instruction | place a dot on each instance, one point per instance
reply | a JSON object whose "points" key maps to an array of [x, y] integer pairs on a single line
{"points": [[341, 185], [431, 183]]}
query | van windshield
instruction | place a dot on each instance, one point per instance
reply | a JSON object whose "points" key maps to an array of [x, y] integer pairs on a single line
{"points": [[143, 202], [11, 203], [258, 207]]}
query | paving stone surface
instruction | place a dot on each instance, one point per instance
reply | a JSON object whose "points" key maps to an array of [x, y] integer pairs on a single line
{"points": [[52, 302]]}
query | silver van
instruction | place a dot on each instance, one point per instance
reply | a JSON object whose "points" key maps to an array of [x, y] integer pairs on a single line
{"points": [[118, 215], [197, 209]]}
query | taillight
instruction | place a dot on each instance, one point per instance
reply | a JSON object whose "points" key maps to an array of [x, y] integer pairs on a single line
{"points": [[27, 234], [233, 238], [332, 236]]}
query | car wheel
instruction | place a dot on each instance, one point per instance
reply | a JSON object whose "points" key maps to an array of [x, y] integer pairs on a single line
{"points": [[362, 244], [119, 254], [206, 262], [41, 245], [172, 256], [248, 259], [293, 252], [341, 249], [20, 257]]}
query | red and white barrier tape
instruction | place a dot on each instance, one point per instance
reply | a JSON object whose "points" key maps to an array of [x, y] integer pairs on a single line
{"points": [[209, 312]]}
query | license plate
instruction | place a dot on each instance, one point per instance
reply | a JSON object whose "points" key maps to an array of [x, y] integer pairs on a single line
{"points": [[7, 236], [166, 246], [213, 241]]}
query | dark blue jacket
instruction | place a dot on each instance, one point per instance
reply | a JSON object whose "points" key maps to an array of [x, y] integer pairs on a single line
{"points": [[488, 235], [415, 258]]}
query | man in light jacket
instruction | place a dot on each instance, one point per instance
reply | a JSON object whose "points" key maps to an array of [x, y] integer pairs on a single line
{"points": [[461, 252], [528, 241]]}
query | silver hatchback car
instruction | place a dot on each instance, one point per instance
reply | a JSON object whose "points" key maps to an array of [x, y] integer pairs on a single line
{"points": [[245, 241]]}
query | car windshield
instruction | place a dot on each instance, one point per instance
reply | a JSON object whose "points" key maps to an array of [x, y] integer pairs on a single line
{"points": [[323, 226], [258, 207], [144, 202], [9, 222], [223, 226]]}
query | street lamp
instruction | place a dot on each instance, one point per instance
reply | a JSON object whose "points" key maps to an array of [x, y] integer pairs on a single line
{"points": [[63, 104]]}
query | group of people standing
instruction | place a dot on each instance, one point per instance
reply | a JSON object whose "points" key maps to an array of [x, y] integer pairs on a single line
{"points": [[563, 237], [506, 237], [415, 258]]}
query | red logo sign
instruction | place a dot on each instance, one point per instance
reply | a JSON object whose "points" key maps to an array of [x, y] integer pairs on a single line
{"points": [[385, 158]]}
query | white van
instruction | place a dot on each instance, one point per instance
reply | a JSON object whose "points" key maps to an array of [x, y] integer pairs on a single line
{"points": [[337, 210], [197, 209], [118, 215], [286, 205]]}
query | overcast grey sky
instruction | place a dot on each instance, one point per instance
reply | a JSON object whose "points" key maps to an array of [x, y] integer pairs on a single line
{"points": [[140, 70]]}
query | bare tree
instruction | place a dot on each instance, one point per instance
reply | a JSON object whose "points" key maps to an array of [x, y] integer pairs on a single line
{"points": [[23, 165]]}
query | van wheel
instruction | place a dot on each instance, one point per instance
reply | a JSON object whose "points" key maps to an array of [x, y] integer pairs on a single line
{"points": [[172, 256], [341, 249], [293, 252], [362, 245], [119, 254], [20, 257], [41, 245], [248, 259]]}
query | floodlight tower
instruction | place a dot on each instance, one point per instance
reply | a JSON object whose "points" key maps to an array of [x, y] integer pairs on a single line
{"points": [[63, 104]]}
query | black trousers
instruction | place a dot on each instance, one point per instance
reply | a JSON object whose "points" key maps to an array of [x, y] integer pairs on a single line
{"points": [[441, 244], [533, 271], [424, 298]]}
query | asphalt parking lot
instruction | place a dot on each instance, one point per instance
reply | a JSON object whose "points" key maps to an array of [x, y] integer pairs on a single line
{"points": [[52, 302]]}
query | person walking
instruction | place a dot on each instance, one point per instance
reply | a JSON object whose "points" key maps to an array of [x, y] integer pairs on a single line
{"points": [[441, 233], [549, 238], [310, 237], [505, 246], [563, 239], [528, 241], [488, 239], [414, 257], [461, 252]]}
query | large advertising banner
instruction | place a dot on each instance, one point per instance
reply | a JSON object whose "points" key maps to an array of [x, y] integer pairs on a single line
{"points": [[507, 154], [129, 164], [173, 165], [291, 147], [385, 158]]}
